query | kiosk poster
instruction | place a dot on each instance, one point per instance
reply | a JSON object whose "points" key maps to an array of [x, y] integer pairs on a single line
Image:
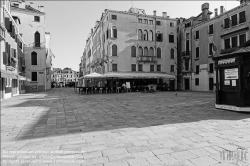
{"points": [[128, 85], [227, 82], [231, 74]]}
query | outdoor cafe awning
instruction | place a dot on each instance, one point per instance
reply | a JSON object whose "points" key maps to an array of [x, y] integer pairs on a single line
{"points": [[138, 75], [129, 75]]}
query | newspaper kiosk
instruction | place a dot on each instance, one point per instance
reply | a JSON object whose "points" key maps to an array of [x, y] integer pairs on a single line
{"points": [[233, 80]]}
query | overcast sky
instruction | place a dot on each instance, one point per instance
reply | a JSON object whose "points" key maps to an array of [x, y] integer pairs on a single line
{"points": [[69, 22]]}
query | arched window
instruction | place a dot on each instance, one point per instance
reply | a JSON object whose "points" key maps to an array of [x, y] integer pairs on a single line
{"points": [[114, 32], [33, 58], [140, 51], [145, 35], [151, 35], [151, 51], [37, 39], [172, 53], [158, 52], [114, 50], [145, 51], [140, 35], [133, 51]]}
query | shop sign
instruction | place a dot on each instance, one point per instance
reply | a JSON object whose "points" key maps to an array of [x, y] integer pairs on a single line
{"points": [[231, 74], [203, 66]]}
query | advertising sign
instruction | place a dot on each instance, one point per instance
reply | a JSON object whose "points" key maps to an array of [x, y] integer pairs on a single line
{"points": [[231, 74]]}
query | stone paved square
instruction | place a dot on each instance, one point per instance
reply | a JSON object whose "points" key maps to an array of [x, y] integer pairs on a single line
{"points": [[60, 126]]}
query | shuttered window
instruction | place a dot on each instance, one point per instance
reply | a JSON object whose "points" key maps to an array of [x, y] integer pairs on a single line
{"points": [[242, 39], [133, 51]]}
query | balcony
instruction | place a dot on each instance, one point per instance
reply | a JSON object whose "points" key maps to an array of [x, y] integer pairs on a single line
{"points": [[185, 54], [146, 59], [36, 45], [229, 50]]}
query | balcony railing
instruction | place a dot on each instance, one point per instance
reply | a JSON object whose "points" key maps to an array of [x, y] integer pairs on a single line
{"points": [[185, 54], [36, 45], [146, 59]]}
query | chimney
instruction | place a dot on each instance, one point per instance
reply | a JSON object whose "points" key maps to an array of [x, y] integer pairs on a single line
{"points": [[164, 14], [154, 12], [216, 12], [41, 8], [205, 11], [221, 9]]}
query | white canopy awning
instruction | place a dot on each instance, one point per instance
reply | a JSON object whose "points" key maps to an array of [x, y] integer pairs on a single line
{"points": [[93, 75], [129, 75], [138, 75]]}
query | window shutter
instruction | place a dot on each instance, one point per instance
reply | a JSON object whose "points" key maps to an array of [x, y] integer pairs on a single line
{"points": [[7, 23], [109, 33], [10, 27], [4, 58]]}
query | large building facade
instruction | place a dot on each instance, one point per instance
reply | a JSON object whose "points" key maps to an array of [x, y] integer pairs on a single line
{"points": [[33, 33], [11, 53], [132, 41], [200, 38], [64, 77]]}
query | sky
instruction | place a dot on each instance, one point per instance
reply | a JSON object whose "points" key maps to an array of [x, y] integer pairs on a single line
{"points": [[70, 22]]}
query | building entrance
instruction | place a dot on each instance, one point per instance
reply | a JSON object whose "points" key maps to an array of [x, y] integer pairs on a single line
{"points": [[187, 84]]}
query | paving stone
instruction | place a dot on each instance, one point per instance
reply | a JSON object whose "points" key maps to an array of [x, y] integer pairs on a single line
{"points": [[138, 162], [203, 161], [111, 152]]}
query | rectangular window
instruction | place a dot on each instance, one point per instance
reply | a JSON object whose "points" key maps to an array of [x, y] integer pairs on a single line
{"points": [[145, 21], [158, 67], [187, 24], [211, 68], [158, 22], [226, 23], [211, 29], [139, 20], [114, 17], [114, 67], [242, 17], [171, 24], [242, 39], [227, 43], [33, 76], [197, 52], [150, 21], [36, 18], [187, 45], [197, 71], [186, 64], [197, 81], [234, 20], [234, 41], [140, 67], [171, 38], [210, 46], [159, 37], [172, 68], [187, 35], [197, 34], [133, 67], [152, 67]]}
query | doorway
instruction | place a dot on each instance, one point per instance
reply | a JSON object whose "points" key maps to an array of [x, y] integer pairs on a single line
{"points": [[187, 84]]}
